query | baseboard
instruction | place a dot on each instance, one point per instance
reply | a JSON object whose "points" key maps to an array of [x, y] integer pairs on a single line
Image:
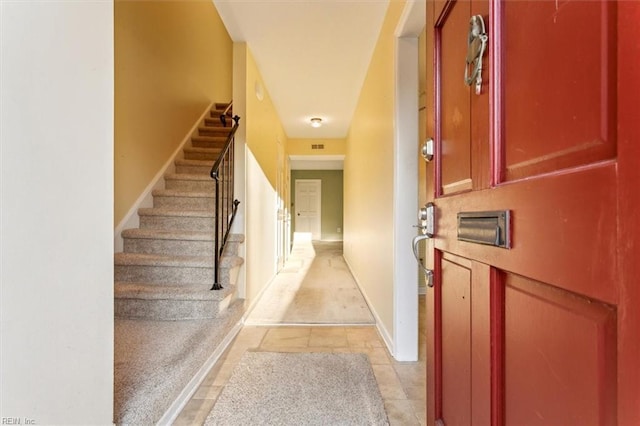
{"points": [[254, 302], [190, 389], [386, 336], [131, 219]]}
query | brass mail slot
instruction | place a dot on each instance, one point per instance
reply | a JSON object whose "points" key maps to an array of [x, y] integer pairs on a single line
{"points": [[489, 228]]}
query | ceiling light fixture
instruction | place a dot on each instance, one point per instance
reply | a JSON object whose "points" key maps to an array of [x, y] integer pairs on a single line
{"points": [[316, 122]]}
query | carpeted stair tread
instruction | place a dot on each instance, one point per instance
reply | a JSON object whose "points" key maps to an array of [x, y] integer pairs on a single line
{"points": [[189, 176], [202, 150], [238, 238], [228, 262], [214, 121], [183, 162], [218, 112], [154, 361], [182, 193], [205, 151], [153, 291], [223, 131], [210, 139], [160, 234], [145, 259], [160, 211]]}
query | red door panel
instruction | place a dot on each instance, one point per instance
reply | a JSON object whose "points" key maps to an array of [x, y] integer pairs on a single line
{"points": [[456, 342], [455, 134], [462, 344], [558, 116], [564, 229], [559, 356]]}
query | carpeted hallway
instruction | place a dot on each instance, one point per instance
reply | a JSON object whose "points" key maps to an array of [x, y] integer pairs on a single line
{"points": [[311, 322], [314, 287]]}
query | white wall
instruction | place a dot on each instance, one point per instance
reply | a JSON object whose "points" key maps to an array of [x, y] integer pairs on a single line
{"points": [[56, 317], [260, 243]]}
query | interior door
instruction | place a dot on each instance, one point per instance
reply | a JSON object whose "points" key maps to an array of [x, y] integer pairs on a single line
{"points": [[307, 206], [532, 318]]}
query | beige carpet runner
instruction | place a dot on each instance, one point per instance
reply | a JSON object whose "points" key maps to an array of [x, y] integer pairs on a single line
{"points": [[315, 287]]}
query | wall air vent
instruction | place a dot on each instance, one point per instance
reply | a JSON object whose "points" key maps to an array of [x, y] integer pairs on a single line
{"points": [[317, 146]]}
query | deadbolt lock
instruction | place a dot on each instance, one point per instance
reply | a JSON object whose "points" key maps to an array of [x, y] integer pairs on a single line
{"points": [[427, 149]]}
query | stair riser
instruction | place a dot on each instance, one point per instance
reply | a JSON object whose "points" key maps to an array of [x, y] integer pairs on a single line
{"points": [[215, 121], [169, 223], [164, 274], [191, 185], [218, 112], [209, 156], [213, 131], [171, 310], [217, 145], [186, 203], [231, 249], [171, 274], [176, 247], [193, 170], [168, 247], [228, 275]]}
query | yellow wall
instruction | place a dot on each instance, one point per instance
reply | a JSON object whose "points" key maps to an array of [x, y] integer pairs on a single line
{"points": [[172, 59], [368, 177], [303, 147], [263, 125]]}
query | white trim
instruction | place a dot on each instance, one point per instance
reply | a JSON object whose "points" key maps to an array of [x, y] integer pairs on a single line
{"points": [[131, 219], [257, 299], [405, 181], [317, 157], [190, 389], [413, 19], [316, 162]]}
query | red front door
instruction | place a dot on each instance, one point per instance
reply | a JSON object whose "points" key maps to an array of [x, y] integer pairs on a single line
{"points": [[544, 331]]}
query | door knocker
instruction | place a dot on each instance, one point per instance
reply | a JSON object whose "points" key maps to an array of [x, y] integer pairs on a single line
{"points": [[477, 44]]}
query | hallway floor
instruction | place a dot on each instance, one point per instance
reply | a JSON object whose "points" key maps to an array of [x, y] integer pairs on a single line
{"points": [[314, 287], [401, 384]]}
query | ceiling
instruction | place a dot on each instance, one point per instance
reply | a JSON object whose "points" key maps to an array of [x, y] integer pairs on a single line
{"points": [[313, 56]]}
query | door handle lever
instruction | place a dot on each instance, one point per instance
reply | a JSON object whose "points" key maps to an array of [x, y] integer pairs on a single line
{"points": [[426, 218], [428, 273]]}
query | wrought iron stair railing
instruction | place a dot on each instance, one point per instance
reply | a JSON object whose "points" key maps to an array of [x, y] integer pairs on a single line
{"points": [[225, 204]]}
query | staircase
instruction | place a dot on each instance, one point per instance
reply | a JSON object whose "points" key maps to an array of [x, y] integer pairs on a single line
{"points": [[166, 270]]}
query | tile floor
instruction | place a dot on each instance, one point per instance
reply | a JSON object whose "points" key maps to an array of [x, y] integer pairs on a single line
{"points": [[402, 384]]}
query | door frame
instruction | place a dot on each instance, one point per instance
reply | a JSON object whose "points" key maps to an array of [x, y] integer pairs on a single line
{"points": [[318, 221], [628, 208], [281, 203], [405, 181]]}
